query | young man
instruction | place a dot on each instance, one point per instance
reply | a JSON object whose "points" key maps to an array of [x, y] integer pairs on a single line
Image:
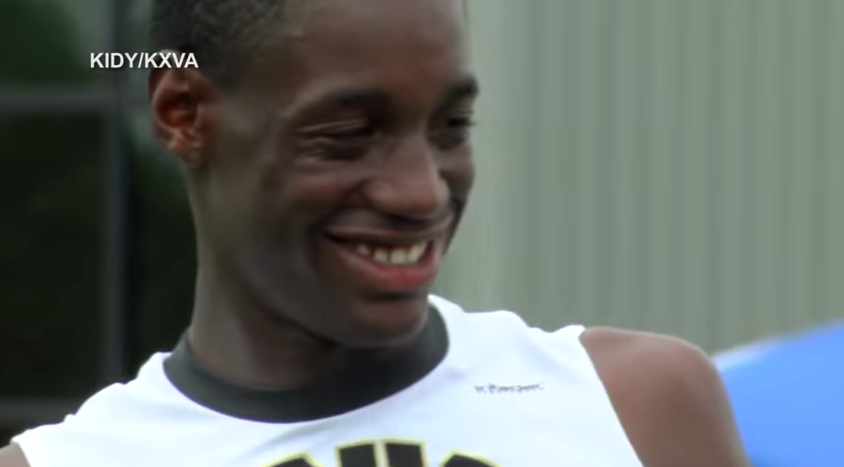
{"points": [[326, 146]]}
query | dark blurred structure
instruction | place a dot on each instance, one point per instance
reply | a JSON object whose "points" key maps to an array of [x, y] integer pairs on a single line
{"points": [[85, 200]]}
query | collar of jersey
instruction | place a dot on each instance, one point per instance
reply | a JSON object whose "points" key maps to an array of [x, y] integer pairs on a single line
{"points": [[333, 396]]}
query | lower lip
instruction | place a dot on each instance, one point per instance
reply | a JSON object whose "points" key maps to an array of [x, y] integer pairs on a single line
{"points": [[390, 277]]}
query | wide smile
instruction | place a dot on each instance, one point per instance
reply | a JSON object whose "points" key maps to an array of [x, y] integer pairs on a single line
{"points": [[389, 263], [393, 255]]}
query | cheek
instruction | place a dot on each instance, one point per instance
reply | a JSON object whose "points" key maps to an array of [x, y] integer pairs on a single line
{"points": [[291, 189], [242, 194], [316, 192], [235, 213], [458, 170]]}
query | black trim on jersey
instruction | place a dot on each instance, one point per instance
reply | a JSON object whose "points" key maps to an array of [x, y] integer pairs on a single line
{"points": [[353, 389]]}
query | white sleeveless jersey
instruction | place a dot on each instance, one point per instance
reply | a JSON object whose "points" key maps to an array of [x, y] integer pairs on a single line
{"points": [[505, 395]]}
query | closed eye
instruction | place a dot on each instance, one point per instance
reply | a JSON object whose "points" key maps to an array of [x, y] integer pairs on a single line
{"points": [[347, 139], [353, 128], [453, 131], [466, 121]]}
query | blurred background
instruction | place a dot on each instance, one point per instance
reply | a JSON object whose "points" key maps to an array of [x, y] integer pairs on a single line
{"points": [[669, 165]]}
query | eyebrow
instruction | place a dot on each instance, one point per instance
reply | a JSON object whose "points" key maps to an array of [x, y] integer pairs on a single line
{"points": [[465, 88], [355, 98]]}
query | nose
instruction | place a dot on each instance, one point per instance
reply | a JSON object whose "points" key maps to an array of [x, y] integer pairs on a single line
{"points": [[409, 184]]}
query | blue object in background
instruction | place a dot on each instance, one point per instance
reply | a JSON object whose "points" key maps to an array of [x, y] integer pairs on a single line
{"points": [[788, 397]]}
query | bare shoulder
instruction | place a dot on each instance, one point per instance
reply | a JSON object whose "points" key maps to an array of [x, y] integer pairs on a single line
{"points": [[669, 397], [666, 358], [12, 456]]}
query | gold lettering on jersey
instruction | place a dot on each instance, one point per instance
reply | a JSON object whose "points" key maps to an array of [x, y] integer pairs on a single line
{"points": [[358, 454], [298, 460], [386, 453], [462, 459], [404, 453]]}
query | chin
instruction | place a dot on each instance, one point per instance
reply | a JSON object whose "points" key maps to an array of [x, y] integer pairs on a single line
{"points": [[386, 321]]}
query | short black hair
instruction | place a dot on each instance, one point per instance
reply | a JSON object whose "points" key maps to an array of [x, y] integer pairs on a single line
{"points": [[222, 34]]}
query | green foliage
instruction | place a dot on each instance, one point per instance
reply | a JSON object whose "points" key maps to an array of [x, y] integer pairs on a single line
{"points": [[52, 197], [39, 45]]}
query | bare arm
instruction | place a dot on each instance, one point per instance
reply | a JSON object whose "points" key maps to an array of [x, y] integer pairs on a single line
{"points": [[669, 398], [12, 456]]}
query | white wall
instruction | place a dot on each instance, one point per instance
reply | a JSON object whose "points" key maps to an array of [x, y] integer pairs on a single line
{"points": [[672, 165]]}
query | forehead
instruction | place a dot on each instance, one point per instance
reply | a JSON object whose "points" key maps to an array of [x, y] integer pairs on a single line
{"points": [[374, 18], [401, 46]]}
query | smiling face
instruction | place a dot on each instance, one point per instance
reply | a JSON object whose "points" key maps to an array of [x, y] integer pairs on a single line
{"points": [[330, 185]]}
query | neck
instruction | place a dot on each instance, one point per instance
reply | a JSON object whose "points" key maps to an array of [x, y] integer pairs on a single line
{"points": [[240, 362], [239, 340], [242, 341]]}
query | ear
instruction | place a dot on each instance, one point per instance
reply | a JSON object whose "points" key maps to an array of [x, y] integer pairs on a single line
{"points": [[182, 103]]}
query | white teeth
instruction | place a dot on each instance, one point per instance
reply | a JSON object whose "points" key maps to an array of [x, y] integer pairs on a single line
{"points": [[397, 255], [382, 255], [416, 252]]}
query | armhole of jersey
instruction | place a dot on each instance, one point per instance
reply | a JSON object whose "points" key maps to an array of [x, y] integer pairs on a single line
{"points": [[571, 336], [57, 444], [34, 443], [570, 332]]}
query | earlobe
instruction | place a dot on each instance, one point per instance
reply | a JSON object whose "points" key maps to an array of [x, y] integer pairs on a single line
{"points": [[187, 149], [178, 103]]}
